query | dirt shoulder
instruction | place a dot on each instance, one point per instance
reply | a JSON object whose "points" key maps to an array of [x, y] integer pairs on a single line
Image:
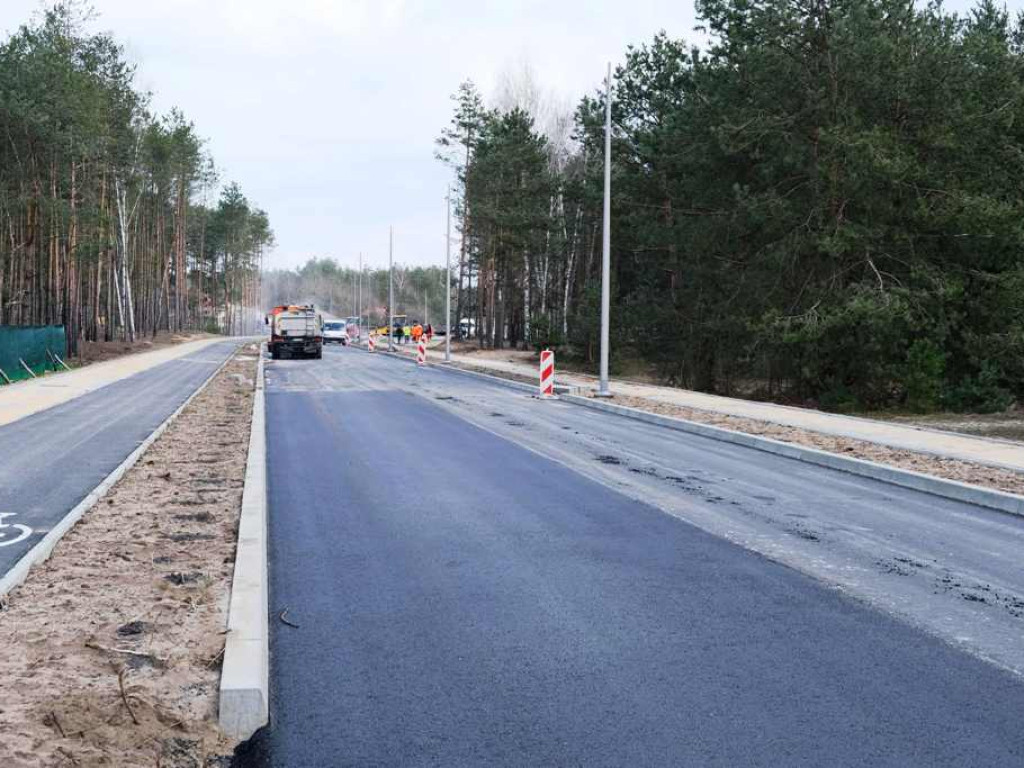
{"points": [[1001, 426], [112, 647]]}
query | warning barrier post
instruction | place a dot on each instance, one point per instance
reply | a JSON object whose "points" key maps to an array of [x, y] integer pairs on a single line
{"points": [[547, 373]]}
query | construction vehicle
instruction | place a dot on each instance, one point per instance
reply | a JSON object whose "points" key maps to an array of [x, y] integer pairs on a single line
{"points": [[397, 320], [296, 330]]}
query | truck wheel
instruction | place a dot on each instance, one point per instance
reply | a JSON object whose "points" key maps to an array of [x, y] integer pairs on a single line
{"points": [[319, 354], [274, 354]]}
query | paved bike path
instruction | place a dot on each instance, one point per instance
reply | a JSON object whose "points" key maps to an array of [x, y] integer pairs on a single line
{"points": [[24, 398], [55, 458]]}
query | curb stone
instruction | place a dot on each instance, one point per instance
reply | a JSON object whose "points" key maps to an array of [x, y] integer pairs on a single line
{"points": [[245, 674], [904, 478], [560, 389], [937, 486]]}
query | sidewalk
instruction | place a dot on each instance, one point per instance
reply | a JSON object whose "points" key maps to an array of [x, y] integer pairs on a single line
{"points": [[28, 397], [1003, 454]]}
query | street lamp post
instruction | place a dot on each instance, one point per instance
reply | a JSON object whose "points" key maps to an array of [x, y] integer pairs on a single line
{"points": [[448, 280], [391, 288], [606, 270]]}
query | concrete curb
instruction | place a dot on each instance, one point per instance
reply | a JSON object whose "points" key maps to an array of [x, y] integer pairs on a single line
{"points": [[532, 389], [522, 386], [592, 384], [936, 486], [42, 550], [245, 674], [948, 489]]}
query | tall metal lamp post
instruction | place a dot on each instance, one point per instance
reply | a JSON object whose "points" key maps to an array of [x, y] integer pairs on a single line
{"points": [[448, 280], [603, 390], [391, 288]]}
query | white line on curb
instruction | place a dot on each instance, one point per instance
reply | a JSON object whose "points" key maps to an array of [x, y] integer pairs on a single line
{"points": [[42, 549], [244, 680]]}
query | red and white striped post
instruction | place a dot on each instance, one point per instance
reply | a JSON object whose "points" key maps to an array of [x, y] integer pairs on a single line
{"points": [[421, 352], [371, 343], [547, 373]]}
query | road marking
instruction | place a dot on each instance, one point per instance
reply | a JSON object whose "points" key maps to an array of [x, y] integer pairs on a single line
{"points": [[5, 541]]}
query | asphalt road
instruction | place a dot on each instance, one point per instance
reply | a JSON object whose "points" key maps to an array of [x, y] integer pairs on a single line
{"points": [[476, 581], [55, 458]]}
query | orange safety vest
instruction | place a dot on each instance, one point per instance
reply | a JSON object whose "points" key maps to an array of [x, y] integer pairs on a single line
{"points": [[417, 331]]}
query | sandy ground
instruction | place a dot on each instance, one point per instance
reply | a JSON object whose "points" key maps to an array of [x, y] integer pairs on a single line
{"points": [[98, 351], [111, 649]]}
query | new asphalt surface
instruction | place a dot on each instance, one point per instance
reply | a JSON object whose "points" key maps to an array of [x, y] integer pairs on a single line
{"points": [[460, 599], [55, 458]]}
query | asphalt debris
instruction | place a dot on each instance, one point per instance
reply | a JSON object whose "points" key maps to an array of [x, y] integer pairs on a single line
{"points": [[180, 579], [132, 628]]}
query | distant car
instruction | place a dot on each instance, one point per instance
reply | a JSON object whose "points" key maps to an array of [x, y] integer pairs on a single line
{"points": [[335, 332]]}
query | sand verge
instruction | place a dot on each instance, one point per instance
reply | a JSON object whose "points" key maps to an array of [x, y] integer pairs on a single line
{"points": [[112, 647]]}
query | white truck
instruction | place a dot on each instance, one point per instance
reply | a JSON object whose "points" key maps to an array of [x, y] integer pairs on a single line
{"points": [[335, 332], [295, 331]]}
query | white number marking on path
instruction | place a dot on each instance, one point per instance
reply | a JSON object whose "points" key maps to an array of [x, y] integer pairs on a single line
{"points": [[12, 533]]}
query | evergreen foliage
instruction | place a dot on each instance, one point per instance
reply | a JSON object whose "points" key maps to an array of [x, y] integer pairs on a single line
{"points": [[100, 227], [825, 205]]}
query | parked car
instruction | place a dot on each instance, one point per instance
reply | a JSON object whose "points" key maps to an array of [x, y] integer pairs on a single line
{"points": [[336, 332]]}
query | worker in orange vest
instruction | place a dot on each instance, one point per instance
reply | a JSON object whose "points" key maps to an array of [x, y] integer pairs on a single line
{"points": [[417, 333]]}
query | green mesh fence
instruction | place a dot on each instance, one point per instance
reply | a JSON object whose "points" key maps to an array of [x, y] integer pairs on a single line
{"points": [[29, 343]]}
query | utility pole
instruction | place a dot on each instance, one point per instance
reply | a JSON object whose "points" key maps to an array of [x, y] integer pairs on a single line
{"points": [[606, 260], [391, 288], [448, 280], [359, 300]]}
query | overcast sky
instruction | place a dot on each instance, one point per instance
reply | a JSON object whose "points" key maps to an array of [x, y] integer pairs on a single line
{"points": [[325, 111]]}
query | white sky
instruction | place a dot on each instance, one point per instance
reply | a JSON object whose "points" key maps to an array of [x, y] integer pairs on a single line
{"points": [[325, 111]]}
